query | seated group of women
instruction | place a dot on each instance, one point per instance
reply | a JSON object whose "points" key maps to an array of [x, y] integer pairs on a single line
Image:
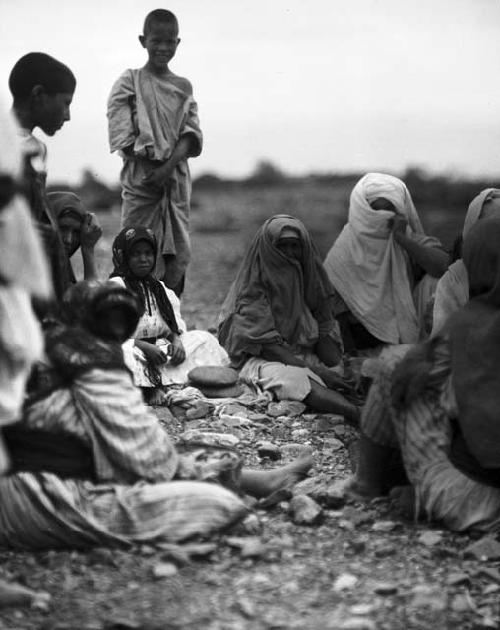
{"points": [[105, 472]]}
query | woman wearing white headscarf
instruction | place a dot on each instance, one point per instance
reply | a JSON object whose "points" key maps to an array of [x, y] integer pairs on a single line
{"points": [[376, 263], [452, 290]]}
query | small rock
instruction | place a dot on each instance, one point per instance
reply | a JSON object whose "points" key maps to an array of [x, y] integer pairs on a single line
{"points": [[332, 444], [246, 607], [250, 547], [164, 570], [384, 526], [340, 431], [490, 572], [233, 409], [268, 449], [304, 510], [344, 582], [430, 538], [327, 423], [362, 609], [456, 579], [355, 623], [209, 438], [427, 596], [491, 588], [358, 517], [289, 408], [385, 550], [486, 548], [300, 434], [385, 588], [258, 417], [293, 450], [461, 603], [102, 555]]}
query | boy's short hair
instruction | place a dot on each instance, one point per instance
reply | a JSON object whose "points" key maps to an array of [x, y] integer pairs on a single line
{"points": [[37, 68], [159, 15]]}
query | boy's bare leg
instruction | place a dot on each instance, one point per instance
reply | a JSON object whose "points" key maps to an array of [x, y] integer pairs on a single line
{"points": [[329, 401]]}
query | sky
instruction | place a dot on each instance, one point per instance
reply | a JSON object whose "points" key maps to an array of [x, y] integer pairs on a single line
{"points": [[316, 86]]}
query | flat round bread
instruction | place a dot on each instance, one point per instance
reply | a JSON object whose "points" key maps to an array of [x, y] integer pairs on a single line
{"points": [[213, 376], [231, 391]]}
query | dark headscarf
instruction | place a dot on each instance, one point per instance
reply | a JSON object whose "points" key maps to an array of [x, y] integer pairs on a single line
{"points": [[122, 246], [77, 343], [273, 296], [475, 345], [64, 202]]}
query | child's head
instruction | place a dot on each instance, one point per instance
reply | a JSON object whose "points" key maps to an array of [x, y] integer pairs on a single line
{"points": [[70, 214], [44, 87], [160, 38], [134, 253]]}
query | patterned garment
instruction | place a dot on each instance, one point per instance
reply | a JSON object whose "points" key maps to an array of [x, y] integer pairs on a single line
{"points": [[201, 347], [423, 434], [135, 498]]}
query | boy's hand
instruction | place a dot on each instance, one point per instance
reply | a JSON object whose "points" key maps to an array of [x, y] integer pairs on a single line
{"points": [[91, 231], [177, 352], [158, 177]]}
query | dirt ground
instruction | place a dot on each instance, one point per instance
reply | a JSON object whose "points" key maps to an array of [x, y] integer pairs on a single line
{"points": [[357, 567]]}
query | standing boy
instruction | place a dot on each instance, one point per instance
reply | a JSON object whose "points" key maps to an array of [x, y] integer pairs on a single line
{"points": [[42, 89], [153, 122]]}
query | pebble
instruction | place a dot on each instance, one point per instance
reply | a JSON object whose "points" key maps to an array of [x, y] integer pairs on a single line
{"points": [[207, 437], [259, 417], [200, 409], [355, 623], [427, 596], [362, 609], [385, 550], [430, 538], [384, 526], [304, 510], [332, 444], [461, 603], [486, 548], [164, 570], [490, 572], [299, 434], [456, 579], [345, 582], [289, 408]]}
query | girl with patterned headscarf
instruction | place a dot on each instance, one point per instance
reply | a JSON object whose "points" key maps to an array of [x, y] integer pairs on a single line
{"points": [[276, 322], [377, 262], [161, 351]]}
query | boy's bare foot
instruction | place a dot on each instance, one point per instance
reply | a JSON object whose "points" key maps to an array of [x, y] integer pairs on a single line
{"points": [[358, 491]]}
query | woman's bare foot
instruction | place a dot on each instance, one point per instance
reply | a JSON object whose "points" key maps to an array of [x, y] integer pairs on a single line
{"points": [[262, 483], [356, 490]]}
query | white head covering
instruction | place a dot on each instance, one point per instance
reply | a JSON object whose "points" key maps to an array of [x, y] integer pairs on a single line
{"points": [[369, 269], [476, 207]]}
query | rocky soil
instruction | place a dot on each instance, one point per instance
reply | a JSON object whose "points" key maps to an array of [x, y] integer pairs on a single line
{"points": [[310, 561]]}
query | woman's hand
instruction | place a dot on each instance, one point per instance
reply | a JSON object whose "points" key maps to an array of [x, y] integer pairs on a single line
{"points": [[91, 231], [177, 352]]}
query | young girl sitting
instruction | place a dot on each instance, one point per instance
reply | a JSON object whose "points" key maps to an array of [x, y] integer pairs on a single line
{"points": [[161, 351]]}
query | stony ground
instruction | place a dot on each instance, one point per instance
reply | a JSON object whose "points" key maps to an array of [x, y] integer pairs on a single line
{"points": [[354, 566]]}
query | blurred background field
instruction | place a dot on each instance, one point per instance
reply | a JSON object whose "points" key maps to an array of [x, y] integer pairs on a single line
{"points": [[226, 214]]}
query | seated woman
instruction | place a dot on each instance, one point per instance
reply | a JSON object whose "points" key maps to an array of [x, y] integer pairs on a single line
{"points": [[383, 266], [439, 406], [161, 351], [79, 229], [91, 464], [452, 290], [276, 322]]}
